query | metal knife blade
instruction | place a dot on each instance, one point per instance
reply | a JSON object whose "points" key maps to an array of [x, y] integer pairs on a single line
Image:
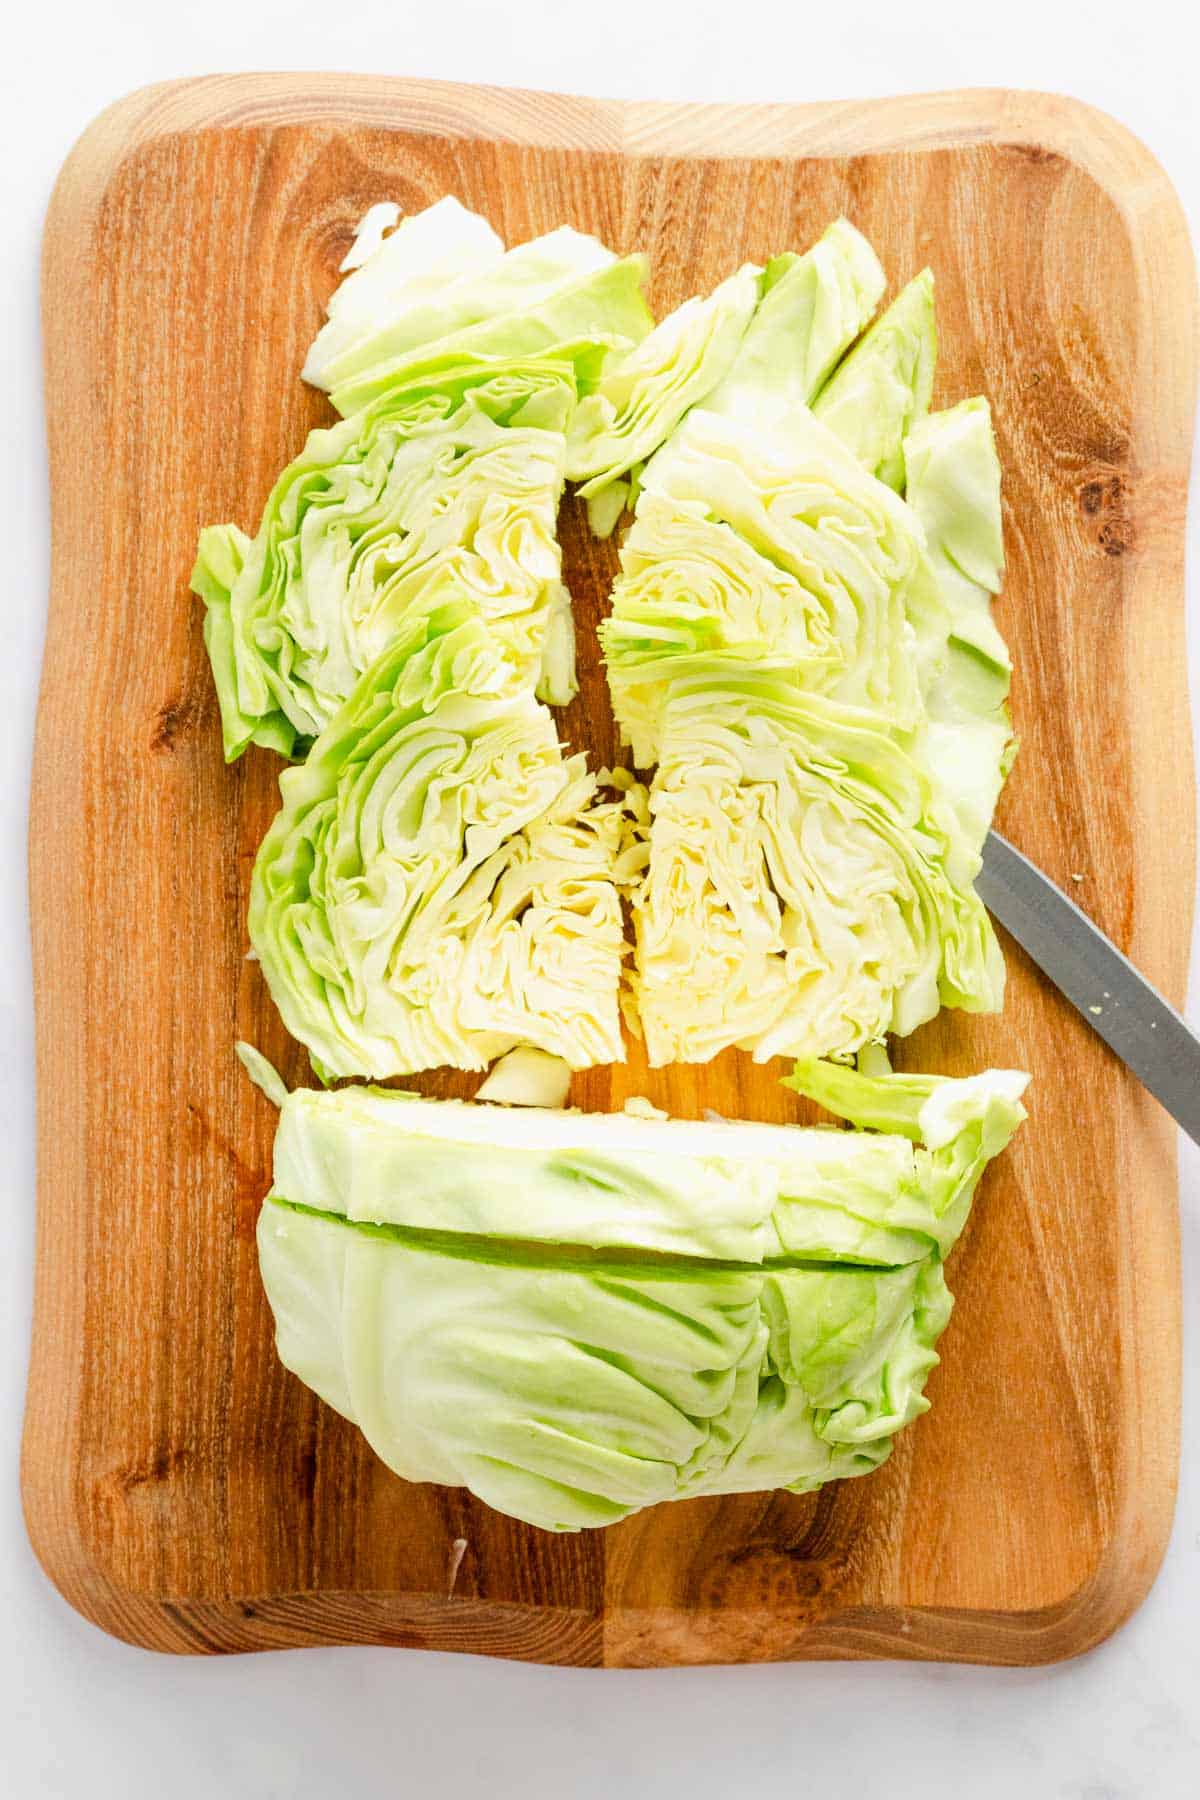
{"points": [[1119, 1004]]}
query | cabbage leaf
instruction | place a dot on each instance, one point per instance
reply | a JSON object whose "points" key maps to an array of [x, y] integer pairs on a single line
{"points": [[882, 388], [404, 273], [953, 486]]}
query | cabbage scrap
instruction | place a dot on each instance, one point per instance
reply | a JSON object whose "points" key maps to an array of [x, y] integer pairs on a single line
{"points": [[643, 393]]}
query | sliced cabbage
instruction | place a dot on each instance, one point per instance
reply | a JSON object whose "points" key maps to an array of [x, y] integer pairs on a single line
{"points": [[445, 490], [718, 1189], [783, 646], [764, 546], [643, 393], [953, 485], [692, 589], [812, 309], [565, 288], [391, 278], [883, 387], [807, 889], [576, 1315], [437, 886]]}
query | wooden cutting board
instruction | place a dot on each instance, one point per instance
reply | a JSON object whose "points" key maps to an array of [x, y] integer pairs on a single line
{"points": [[181, 1489]]}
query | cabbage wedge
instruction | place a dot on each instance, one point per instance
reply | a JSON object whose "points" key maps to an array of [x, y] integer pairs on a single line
{"points": [[807, 888], [437, 887], [576, 1316], [459, 367], [799, 564], [443, 489], [800, 644]]}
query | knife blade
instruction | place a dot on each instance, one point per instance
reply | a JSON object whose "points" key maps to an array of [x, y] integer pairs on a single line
{"points": [[1087, 968]]}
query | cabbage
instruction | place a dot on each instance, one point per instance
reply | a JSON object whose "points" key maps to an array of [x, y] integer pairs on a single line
{"points": [[392, 277], [437, 886], [643, 393], [807, 889], [882, 388], [762, 545], [564, 288], [451, 488], [460, 367], [783, 644], [576, 1316], [813, 307], [953, 485], [527, 1077], [731, 1191], [691, 589]]}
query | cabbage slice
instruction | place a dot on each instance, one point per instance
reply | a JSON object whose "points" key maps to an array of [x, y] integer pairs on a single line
{"points": [[732, 1191], [577, 1315], [403, 273], [437, 887], [807, 889], [444, 488], [766, 546], [953, 485], [882, 388], [643, 393]]}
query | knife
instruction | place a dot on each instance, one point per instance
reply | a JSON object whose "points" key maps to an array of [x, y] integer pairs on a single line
{"points": [[1119, 1004]]}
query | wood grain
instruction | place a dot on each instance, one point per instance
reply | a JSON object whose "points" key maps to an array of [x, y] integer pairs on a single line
{"points": [[180, 1488]]}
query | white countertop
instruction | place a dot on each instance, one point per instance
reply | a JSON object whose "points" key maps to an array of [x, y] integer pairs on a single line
{"points": [[81, 1715]]}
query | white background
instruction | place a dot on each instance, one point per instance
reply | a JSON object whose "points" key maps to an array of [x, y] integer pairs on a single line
{"points": [[81, 1715]]}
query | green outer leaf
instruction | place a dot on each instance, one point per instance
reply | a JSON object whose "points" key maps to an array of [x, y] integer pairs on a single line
{"points": [[953, 485], [813, 308], [883, 386]]}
